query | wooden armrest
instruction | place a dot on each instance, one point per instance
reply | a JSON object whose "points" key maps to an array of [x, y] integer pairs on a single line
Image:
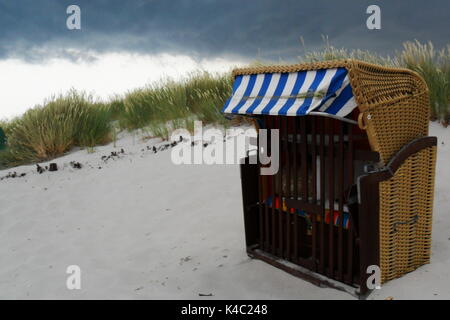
{"points": [[388, 171]]}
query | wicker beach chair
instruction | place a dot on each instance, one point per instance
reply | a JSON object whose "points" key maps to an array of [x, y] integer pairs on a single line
{"points": [[356, 180]]}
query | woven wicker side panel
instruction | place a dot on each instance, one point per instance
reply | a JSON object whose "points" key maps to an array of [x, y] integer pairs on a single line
{"points": [[390, 127], [394, 103], [405, 242], [374, 84]]}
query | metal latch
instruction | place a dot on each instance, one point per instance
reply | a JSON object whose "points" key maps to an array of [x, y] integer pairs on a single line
{"points": [[411, 221]]}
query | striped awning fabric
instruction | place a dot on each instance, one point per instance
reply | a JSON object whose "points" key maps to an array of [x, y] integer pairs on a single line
{"points": [[292, 94]]}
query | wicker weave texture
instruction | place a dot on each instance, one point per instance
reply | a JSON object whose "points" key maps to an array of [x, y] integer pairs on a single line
{"points": [[406, 206], [394, 103], [293, 67], [392, 126]]}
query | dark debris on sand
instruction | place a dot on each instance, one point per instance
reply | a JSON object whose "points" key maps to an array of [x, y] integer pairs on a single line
{"points": [[40, 169], [51, 167], [165, 146], [75, 165], [12, 175], [113, 155]]}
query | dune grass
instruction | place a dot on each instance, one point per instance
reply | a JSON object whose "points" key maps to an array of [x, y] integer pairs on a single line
{"points": [[172, 105], [434, 67], [48, 131], [75, 119]]}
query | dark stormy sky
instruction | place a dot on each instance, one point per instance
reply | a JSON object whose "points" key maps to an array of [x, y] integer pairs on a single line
{"points": [[124, 44], [211, 28]]}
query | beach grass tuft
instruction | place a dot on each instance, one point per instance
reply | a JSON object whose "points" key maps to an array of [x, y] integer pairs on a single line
{"points": [[170, 104], [50, 130]]}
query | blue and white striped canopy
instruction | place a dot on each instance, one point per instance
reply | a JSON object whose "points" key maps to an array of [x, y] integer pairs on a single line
{"points": [[292, 94]]}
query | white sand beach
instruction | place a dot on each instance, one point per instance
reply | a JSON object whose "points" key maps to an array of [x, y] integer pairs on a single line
{"points": [[141, 227]]}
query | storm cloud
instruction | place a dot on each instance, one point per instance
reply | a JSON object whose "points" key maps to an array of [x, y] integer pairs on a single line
{"points": [[255, 29]]}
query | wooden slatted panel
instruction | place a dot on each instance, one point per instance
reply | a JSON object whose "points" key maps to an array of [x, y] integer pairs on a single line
{"points": [[350, 239], [322, 195], [267, 245], [340, 192], [303, 178], [308, 148], [289, 189], [274, 190], [304, 159], [296, 217], [330, 126], [270, 180], [280, 124], [262, 239], [314, 189]]}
